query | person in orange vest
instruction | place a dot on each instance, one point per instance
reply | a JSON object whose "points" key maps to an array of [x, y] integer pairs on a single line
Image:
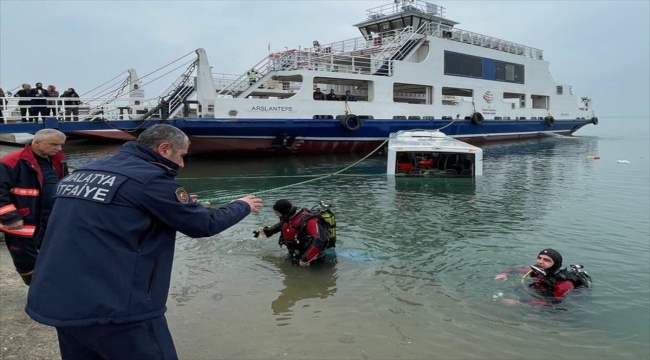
{"points": [[28, 180]]}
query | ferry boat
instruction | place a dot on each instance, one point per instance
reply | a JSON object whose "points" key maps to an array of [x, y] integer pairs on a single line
{"points": [[410, 68]]}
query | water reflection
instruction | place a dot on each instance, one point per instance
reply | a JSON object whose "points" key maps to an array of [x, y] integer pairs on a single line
{"points": [[300, 284]]}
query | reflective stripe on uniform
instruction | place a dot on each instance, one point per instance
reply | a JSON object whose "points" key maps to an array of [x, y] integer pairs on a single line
{"points": [[7, 209], [26, 231], [24, 192]]}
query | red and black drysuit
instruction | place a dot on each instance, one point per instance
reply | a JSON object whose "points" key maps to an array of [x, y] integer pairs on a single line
{"points": [[301, 234], [552, 288]]}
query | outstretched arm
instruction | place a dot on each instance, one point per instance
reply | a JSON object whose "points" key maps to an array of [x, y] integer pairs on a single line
{"points": [[270, 230], [504, 274]]}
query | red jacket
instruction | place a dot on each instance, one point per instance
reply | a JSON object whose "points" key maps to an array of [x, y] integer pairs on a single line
{"points": [[308, 240], [21, 181], [552, 290]]}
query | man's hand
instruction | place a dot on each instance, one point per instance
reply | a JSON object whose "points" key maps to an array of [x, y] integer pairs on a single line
{"points": [[501, 277], [304, 264], [510, 302], [259, 233], [254, 202]]}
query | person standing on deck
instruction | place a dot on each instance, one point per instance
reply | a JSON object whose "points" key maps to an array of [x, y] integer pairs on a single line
{"points": [[53, 105], [3, 103], [24, 104], [39, 102], [252, 76]]}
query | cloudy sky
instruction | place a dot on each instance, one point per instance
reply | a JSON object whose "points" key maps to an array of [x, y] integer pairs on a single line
{"points": [[601, 48]]}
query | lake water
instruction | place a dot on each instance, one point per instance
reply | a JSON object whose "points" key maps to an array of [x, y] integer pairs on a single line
{"points": [[412, 276]]}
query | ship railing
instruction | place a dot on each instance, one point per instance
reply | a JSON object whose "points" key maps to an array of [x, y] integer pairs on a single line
{"points": [[77, 108], [400, 6], [170, 100], [243, 82], [394, 45], [356, 44], [348, 56], [468, 37], [223, 80], [399, 47]]}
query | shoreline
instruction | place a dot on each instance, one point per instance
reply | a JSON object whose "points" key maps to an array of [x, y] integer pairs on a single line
{"points": [[20, 336]]}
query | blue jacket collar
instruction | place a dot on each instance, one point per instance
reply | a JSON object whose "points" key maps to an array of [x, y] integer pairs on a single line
{"points": [[146, 154]]}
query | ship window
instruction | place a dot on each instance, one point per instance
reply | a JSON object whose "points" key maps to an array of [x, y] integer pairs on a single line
{"points": [[414, 117], [509, 72], [497, 118], [463, 65], [399, 117], [484, 68], [428, 117], [322, 117], [412, 93], [558, 90], [366, 117]]}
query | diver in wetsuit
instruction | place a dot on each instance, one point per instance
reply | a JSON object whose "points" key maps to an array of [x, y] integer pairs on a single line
{"points": [[548, 281]]}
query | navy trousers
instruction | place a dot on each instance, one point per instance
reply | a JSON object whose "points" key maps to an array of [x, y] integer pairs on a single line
{"points": [[142, 340], [24, 251]]}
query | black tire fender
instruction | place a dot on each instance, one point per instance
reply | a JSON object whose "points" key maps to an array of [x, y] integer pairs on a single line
{"points": [[549, 120], [594, 120], [351, 122], [477, 118]]}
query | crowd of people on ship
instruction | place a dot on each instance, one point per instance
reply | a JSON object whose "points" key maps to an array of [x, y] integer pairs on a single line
{"points": [[318, 95], [38, 103]]}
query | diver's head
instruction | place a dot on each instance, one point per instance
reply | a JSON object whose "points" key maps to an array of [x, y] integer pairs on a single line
{"points": [[549, 260], [283, 209]]}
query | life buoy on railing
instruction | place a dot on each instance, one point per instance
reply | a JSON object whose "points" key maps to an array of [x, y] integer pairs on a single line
{"points": [[477, 118], [594, 120], [351, 122], [549, 121]]}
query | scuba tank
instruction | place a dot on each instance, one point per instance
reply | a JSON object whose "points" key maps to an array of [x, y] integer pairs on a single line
{"points": [[328, 220]]}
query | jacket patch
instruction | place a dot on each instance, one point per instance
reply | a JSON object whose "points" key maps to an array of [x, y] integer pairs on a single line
{"points": [[182, 195], [90, 185]]}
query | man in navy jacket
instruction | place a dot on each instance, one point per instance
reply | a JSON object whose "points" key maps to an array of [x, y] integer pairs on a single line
{"points": [[104, 269]]}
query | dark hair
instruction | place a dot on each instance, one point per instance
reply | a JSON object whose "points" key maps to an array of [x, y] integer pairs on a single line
{"points": [[158, 134]]}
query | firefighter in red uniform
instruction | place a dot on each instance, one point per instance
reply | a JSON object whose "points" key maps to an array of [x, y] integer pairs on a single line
{"points": [[28, 180], [549, 283], [300, 233]]}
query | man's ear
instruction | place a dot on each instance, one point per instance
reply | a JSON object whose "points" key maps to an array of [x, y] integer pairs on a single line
{"points": [[164, 148]]}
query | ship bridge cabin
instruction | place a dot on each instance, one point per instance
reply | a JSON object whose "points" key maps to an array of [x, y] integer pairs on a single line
{"points": [[399, 16]]}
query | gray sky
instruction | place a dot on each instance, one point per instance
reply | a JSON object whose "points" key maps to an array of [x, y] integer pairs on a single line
{"points": [[601, 48]]}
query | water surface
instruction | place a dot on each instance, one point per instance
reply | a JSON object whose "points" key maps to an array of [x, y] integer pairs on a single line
{"points": [[412, 275]]}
